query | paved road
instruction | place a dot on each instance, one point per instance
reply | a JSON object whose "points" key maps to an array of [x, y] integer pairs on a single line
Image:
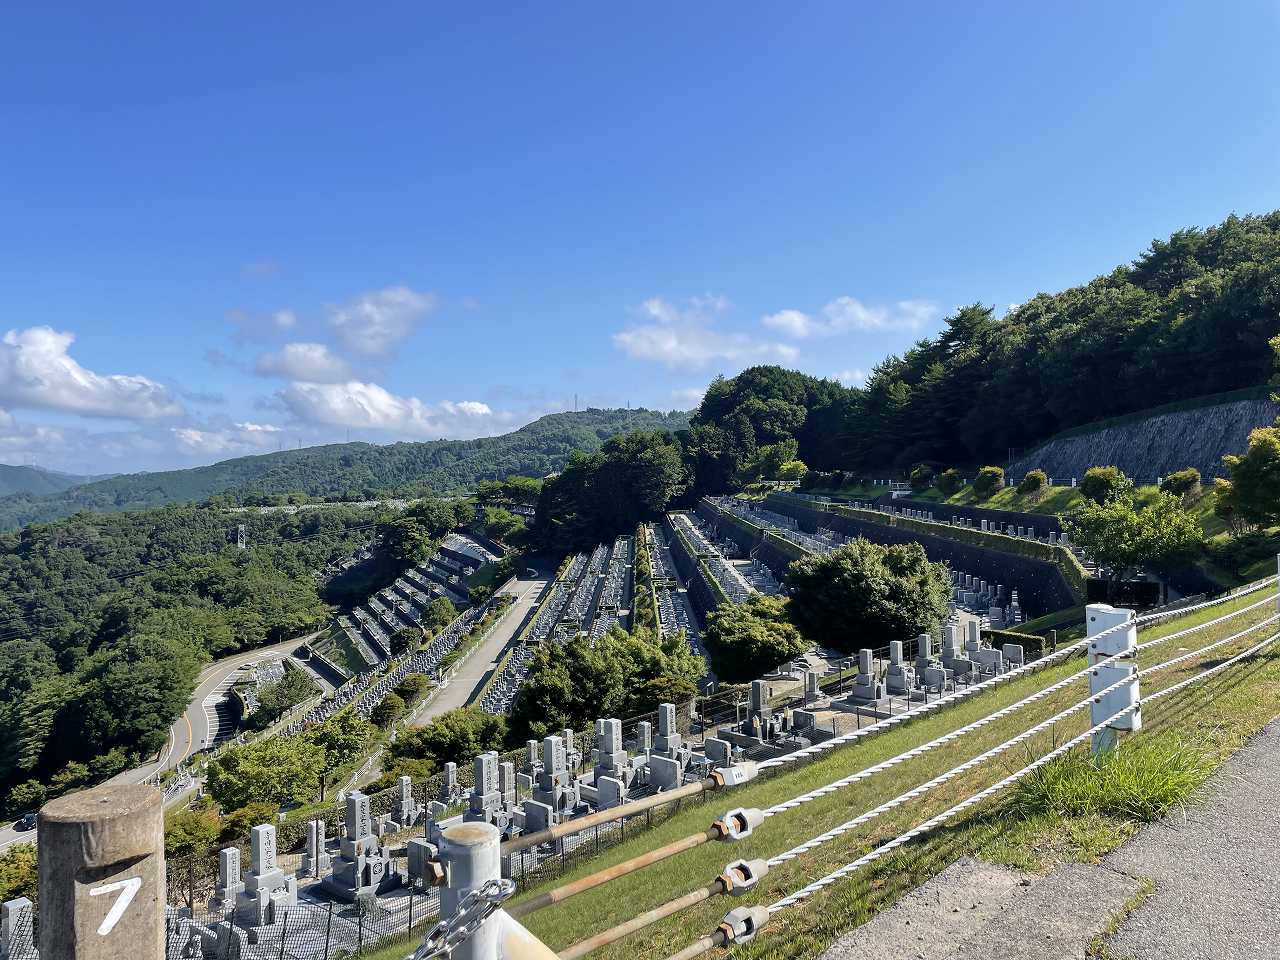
{"points": [[471, 675], [1215, 869]]}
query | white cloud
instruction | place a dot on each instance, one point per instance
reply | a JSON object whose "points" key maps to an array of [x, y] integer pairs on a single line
{"points": [[374, 323], [235, 439], [312, 362], [846, 314], [284, 320], [852, 378], [688, 397], [685, 336], [368, 406], [37, 372]]}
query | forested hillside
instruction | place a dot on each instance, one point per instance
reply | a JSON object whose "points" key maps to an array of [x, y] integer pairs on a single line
{"points": [[352, 471], [105, 621], [18, 479], [1196, 314], [1193, 315]]}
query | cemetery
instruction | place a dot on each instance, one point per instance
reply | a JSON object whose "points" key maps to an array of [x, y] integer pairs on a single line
{"points": [[590, 594], [363, 639]]}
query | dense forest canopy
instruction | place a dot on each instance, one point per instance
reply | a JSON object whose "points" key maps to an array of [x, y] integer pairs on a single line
{"points": [[105, 620], [352, 471], [1193, 315]]}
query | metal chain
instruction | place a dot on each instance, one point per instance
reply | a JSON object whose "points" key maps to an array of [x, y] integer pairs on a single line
{"points": [[473, 910]]}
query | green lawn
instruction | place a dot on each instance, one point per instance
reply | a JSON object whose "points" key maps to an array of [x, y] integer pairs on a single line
{"points": [[804, 932]]}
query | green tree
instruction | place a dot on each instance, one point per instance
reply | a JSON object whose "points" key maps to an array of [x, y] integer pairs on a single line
{"points": [[1119, 537], [275, 699], [1254, 491], [191, 832], [747, 640], [1104, 484], [278, 770], [950, 481], [342, 737], [617, 675], [793, 470], [25, 797], [1182, 483], [389, 709], [864, 594], [413, 686], [502, 524], [455, 736], [988, 482], [439, 615], [19, 873], [405, 540]]}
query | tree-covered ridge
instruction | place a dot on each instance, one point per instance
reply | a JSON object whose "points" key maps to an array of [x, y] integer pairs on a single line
{"points": [[105, 621], [352, 471], [1193, 315], [36, 480]]}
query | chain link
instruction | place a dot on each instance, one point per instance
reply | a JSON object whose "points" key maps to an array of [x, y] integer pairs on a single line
{"points": [[473, 910]]}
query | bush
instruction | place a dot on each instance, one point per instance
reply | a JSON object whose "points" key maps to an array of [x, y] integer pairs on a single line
{"points": [[921, 477], [988, 482], [1183, 483], [25, 797], [389, 709], [1036, 482], [864, 594], [950, 482], [746, 640], [413, 686], [1103, 484]]}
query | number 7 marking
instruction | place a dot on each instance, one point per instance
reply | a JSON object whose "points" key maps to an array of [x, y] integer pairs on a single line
{"points": [[128, 890]]}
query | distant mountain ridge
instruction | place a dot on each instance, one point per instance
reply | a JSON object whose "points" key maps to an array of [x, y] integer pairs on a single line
{"points": [[36, 480], [350, 470]]}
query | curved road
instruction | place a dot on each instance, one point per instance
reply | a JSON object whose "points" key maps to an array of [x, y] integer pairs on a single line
{"points": [[190, 732]]}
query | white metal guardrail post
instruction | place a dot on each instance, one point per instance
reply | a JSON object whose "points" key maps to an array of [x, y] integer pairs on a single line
{"points": [[1100, 619], [477, 928]]}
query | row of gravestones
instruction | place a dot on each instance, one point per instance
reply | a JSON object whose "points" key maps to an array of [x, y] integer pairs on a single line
{"points": [[962, 660], [986, 526], [986, 599]]}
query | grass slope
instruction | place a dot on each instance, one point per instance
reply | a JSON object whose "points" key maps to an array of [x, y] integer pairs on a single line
{"points": [[1219, 715]]}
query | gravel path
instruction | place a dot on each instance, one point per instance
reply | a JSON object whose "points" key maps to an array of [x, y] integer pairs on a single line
{"points": [[1217, 872]]}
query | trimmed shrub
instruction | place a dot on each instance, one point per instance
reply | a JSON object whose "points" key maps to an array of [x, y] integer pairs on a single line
{"points": [[1035, 483], [988, 482], [1183, 483], [921, 477], [950, 482], [1103, 484]]}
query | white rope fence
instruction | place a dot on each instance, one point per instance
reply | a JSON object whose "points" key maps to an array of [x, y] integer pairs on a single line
{"points": [[807, 891], [1035, 665]]}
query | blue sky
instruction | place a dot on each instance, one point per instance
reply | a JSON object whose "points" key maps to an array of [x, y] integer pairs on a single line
{"points": [[233, 226]]}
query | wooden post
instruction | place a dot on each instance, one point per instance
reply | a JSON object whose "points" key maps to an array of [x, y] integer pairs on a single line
{"points": [[102, 878]]}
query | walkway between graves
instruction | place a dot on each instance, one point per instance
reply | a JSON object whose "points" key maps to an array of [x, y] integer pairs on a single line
{"points": [[1202, 885]]}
